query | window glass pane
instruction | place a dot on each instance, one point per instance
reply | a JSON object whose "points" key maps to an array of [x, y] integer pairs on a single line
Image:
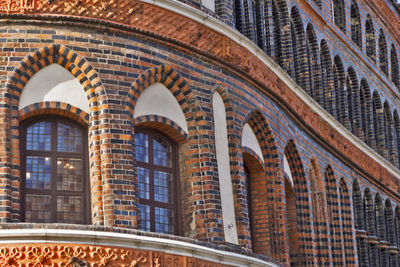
{"points": [[69, 174], [38, 136], [69, 209], [69, 138], [37, 208], [162, 152], [163, 220], [38, 172], [144, 217], [162, 186], [144, 183], [142, 145]]}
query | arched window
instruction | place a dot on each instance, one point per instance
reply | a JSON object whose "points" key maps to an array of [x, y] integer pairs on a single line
{"points": [[326, 78], [359, 224], [313, 65], [390, 137], [383, 57], [355, 24], [381, 229], [366, 114], [394, 67], [158, 183], [339, 15], [379, 125], [369, 207], [353, 101], [342, 114], [54, 171], [370, 38], [245, 17]]}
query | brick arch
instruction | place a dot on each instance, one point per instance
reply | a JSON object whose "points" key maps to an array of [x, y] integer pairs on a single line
{"points": [[381, 230], [359, 224], [339, 14], [162, 124], [379, 124], [320, 212], [303, 202], [327, 79], [369, 205], [396, 126], [389, 223], [245, 21], [391, 147], [394, 66], [353, 100], [347, 223], [383, 53], [341, 101], [370, 38], [55, 108], [366, 114], [315, 87], [91, 83], [270, 190], [300, 73], [333, 204], [355, 20]]}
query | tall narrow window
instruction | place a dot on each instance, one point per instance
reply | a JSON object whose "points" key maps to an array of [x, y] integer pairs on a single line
{"points": [[370, 38], [394, 67], [383, 57], [355, 24], [158, 183], [54, 171], [339, 15]]}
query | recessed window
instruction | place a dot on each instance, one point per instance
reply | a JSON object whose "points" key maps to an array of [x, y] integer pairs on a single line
{"points": [[54, 172], [158, 182]]}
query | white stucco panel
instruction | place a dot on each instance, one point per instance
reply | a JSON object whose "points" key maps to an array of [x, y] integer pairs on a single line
{"points": [[224, 173], [54, 83], [286, 169], [249, 139], [210, 4], [158, 100]]}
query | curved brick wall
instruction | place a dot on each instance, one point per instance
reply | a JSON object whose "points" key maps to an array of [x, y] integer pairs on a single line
{"points": [[344, 167]]}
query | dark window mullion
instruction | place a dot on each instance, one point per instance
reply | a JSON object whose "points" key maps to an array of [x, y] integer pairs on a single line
{"points": [[53, 168], [151, 182]]}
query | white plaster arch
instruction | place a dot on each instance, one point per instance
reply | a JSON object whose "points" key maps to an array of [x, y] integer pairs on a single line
{"points": [[54, 83], [249, 139], [158, 100], [287, 171], [224, 173]]}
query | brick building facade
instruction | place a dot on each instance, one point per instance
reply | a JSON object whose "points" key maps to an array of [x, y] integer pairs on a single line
{"points": [[199, 133]]}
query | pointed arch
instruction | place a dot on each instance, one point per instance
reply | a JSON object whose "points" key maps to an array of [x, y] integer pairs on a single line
{"points": [[313, 65], [396, 126], [369, 206], [355, 24], [366, 114], [88, 78], [389, 223], [359, 225], [379, 124], [245, 18], [267, 193], [394, 66], [353, 101], [327, 79], [342, 114], [370, 38], [381, 230], [347, 223], [390, 135], [299, 50], [321, 228], [336, 237], [383, 53], [305, 256], [339, 14]]}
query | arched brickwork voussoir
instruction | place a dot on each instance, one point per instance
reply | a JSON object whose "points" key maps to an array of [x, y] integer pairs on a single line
{"points": [[272, 189], [195, 224], [21, 74], [307, 249]]}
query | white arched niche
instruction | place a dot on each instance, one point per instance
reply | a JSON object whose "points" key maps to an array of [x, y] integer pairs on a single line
{"points": [[54, 83], [224, 172], [249, 140], [287, 171], [158, 100]]}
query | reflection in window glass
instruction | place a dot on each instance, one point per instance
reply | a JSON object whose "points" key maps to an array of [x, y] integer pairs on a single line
{"points": [[38, 172], [144, 182], [162, 185], [162, 152], [69, 138], [144, 217], [69, 174], [163, 220], [141, 145], [38, 136], [69, 209], [37, 208]]}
